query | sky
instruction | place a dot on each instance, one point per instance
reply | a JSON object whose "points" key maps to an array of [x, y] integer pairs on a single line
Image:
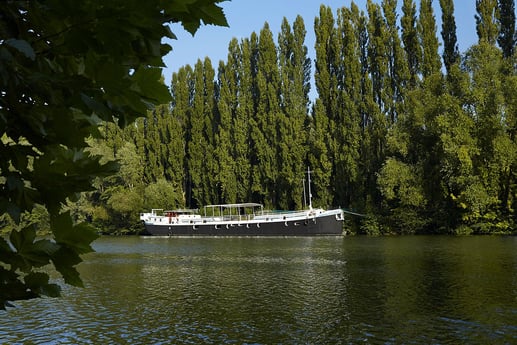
{"points": [[247, 16]]}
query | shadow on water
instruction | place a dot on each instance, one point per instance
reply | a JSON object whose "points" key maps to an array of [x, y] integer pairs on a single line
{"points": [[415, 290]]}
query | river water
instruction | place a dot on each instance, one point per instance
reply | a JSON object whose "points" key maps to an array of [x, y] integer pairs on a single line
{"points": [[350, 290]]}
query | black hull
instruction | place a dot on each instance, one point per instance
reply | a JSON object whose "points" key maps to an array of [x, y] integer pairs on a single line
{"points": [[321, 226]]}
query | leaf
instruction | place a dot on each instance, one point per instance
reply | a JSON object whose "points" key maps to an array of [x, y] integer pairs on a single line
{"points": [[45, 247], [64, 261], [38, 283], [192, 12], [147, 82], [22, 46], [97, 107], [78, 237], [213, 15], [23, 238], [73, 240], [36, 279], [30, 253]]}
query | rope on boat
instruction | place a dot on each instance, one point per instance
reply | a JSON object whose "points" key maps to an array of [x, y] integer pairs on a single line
{"points": [[353, 213]]}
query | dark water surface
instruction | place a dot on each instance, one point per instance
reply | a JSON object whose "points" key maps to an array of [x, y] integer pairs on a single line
{"points": [[351, 290]]}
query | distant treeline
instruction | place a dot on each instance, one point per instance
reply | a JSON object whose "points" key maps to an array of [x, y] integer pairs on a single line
{"points": [[420, 138]]}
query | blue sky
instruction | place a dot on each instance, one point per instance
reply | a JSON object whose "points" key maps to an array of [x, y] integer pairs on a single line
{"points": [[247, 16]]}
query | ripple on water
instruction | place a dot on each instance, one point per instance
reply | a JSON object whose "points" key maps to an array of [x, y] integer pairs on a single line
{"points": [[290, 291]]}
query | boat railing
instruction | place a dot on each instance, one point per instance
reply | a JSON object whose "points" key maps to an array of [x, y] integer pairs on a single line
{"points": [[237, 218], [280, 212]]}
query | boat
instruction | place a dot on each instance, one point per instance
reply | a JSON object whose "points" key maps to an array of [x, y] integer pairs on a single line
{"points": [[243, 219]]}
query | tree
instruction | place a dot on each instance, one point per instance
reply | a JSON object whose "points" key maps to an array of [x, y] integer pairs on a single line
{"points": [[489, 199], [162, 194], [397, 63], [65, 66], [347, 117], [450, 54], [245, 111], [507, 34], [410, 40], [202, 124], [152, 128], [487, 23], [427, 36], [263, 126], [377, 90], [227, 107], [320, 137], [401, 186], [181, 101], [294, 84]]}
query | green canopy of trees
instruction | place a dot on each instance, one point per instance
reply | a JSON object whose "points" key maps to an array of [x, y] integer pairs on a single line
{"points": [[419, 137], [66, 67], [404, 127]]}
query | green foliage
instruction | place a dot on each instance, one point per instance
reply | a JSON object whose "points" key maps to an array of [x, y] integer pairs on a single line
{"points": [[487, 24], [410, 39], [402, 188], [371, 227], [161, 194], [450, 54], [507, 38], [66, 66], [427, 30], [388, 132], [400, 182]]}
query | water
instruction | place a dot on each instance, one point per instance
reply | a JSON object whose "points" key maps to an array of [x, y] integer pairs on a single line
{"points": [[403, 290]]}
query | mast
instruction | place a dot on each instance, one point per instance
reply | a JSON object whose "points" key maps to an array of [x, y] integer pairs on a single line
{"points": [[309, 182], [304, 194]]}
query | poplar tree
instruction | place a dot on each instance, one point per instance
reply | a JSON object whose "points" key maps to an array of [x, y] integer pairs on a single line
{"points": [[410, 40], [378, 100], [228, 79], [507, 34], [263, 125], [428, 40], [378, 58], [369, 111], [172, 150], [409, 179], [246, 109], [209, 93], [175, 154], [450, 53], [487, 21], [320, 158], [318, 155], [180, 104], [295, 84], [398, 70], [347, 115], [153, 143], [426, 108], [198, 144], [387, 134]]}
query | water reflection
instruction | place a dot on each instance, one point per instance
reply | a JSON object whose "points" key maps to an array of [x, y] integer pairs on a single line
{"points": [[416, 290]]}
